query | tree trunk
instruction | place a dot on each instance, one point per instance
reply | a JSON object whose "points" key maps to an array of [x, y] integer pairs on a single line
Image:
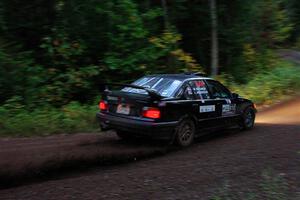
{"points": [[165, 9], [214, 38]]}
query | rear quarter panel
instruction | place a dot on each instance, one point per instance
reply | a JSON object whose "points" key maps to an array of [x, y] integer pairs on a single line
{"points": [[175, 110]]}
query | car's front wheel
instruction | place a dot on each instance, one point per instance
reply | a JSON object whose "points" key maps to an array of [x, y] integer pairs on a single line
{"points": [[248, 118], [185, 133]]}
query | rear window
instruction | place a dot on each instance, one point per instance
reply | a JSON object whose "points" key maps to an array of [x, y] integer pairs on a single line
{"points": [[166, 87]]}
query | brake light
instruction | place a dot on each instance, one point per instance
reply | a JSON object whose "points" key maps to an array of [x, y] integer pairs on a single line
{"points": [[103, 105], [151, 112]]}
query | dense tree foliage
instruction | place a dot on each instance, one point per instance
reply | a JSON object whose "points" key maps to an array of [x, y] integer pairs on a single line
{"points": [[57, 51]]}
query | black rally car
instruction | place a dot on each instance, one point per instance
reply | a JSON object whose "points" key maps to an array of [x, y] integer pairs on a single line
{"points": [[173, 106]]}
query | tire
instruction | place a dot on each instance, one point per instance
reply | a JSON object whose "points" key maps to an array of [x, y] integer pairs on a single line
{"points": [[185, 133], [123, 135], [248, 118]]}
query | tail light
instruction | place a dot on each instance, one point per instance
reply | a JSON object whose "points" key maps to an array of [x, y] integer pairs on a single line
{"points": [[103, 105], [150, 112]]}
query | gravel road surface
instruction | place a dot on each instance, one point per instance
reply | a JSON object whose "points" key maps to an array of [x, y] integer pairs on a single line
{"points": [[233, 161]]}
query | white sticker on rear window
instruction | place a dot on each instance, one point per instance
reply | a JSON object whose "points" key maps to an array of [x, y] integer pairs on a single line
{"points": [[164, 93], [208, 108]]}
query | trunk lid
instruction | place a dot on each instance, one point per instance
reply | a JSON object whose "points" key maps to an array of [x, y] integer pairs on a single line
{"points": [[129, 103]]}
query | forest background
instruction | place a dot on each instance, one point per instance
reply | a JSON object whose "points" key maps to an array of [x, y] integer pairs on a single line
{"points": [[54, 53]]}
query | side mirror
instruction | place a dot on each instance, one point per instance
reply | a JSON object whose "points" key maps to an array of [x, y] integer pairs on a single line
{"points": [[235, 95]]}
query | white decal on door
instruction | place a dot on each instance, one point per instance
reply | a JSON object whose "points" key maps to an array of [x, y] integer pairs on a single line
{"points": [[208, 108], [228, 101], [228, 109]]}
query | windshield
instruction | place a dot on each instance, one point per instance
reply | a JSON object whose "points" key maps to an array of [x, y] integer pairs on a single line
{"points": [[166, 87]]}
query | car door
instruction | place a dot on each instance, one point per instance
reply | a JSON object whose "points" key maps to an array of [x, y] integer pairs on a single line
{"points": [[207, 109], [227, 104], [181, 105]]}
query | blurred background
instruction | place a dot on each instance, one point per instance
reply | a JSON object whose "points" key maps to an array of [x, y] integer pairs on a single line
{"points": [[54, 53]]}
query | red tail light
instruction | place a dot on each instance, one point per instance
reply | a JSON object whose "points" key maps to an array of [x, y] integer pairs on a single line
{"points": [[103, 105], [153, 113]]}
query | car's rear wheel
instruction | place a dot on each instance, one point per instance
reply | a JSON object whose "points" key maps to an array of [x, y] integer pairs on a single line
{"points": [[123, 135], [248, 118], [185, 133]]}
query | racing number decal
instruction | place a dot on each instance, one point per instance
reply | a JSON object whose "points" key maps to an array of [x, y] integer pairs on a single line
{"points": [[229, 108], [199, 84], [200, 90]]}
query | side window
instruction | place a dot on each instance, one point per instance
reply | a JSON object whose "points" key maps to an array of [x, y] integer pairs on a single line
{"points": [[217, 90], [187, 93], [199, 89]]}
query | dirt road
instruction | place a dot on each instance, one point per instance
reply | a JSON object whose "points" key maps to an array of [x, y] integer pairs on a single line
{"points": [[235, 160]]}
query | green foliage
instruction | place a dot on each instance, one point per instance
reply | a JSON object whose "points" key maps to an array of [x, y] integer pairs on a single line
{"points": [[20, 76], [134, 50], [56, 52], [254, 28], [274, 24], [268, 87], [15, 120], [294, 14], [254, 62], [273, 86], [67, 75], [25, 24], [128, 42], [90, 42], [176, 59]]}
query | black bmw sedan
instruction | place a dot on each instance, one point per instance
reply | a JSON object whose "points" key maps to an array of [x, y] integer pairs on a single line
{"points": [[177, 107]]}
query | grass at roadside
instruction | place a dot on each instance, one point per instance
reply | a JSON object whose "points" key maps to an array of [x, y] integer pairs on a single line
{"points": [[15, 120], [269, 87], [271, 187]]}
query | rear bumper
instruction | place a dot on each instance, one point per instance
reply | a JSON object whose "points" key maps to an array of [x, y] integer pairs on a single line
{"points": [[158, 130]]}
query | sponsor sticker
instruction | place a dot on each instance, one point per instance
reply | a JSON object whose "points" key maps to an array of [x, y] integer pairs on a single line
{"points": [[199, 84], [208, 108], [228, 109], [112, 98]]}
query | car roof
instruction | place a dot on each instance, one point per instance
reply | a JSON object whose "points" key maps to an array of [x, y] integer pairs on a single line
{"points": [[181, 77]]}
